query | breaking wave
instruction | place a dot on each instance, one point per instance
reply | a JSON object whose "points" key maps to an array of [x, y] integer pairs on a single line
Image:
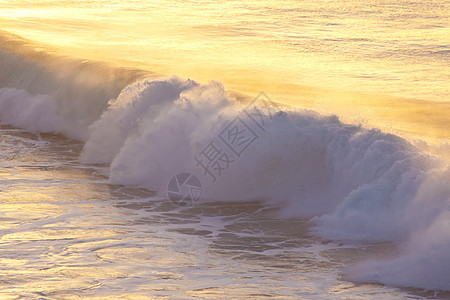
{"points": [[355, 184]]}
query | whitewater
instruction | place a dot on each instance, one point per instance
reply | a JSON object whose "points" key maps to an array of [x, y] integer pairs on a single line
{"points": [[315, 205]]}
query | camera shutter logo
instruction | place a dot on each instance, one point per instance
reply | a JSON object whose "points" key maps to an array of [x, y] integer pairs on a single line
{"points": [[184, 189]]}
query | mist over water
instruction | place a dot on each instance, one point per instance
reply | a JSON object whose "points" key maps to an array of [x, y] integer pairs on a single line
{"points": [[101, 74]]}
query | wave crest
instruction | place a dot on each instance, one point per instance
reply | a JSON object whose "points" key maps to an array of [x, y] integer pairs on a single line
{"points": [[358, 184]]}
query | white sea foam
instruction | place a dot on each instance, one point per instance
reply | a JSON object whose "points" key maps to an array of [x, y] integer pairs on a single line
{"points": [[363, 185], [77, 91], [358, 184], [423, 263], [36, 113]]}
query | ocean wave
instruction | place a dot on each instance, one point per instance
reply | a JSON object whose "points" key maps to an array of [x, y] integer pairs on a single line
{"points": [[356, 184], [362, 185], [37, 113], [79, 89]]}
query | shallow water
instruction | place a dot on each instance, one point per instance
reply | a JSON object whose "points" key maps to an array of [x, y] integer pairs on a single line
{"points": [[66, 233]]}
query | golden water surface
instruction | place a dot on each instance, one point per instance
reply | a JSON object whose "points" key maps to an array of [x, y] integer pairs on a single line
{"points": [[379, 63]]}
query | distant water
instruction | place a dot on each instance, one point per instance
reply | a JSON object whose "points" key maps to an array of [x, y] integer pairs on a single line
{"points": [[300, 195], [396, 48]]}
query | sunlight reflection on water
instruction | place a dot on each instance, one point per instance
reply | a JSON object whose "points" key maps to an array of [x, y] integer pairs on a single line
{"points": [[66, 233]]}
